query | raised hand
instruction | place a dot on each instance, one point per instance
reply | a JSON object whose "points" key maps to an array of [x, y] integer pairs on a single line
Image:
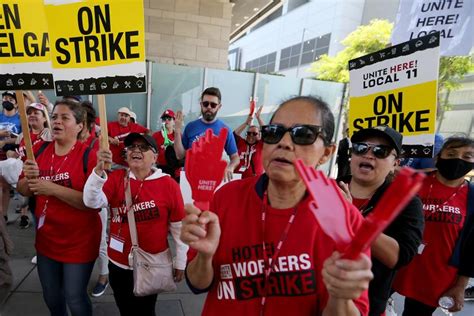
{"points": [[104, 156], [179, 120], [43, 99], [259, 111]]}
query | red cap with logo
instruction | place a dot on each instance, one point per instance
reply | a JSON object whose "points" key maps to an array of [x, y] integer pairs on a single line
{"points": [[169, 113]]}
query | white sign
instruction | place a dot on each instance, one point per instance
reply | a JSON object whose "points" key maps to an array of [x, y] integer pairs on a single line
{"points": [[452, 18]]}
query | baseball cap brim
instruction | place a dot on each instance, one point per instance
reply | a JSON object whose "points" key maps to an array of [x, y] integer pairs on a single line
{"points": [[147, 138]]}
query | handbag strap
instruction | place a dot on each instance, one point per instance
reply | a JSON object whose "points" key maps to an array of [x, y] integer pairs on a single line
{"points": [[130, 214]]}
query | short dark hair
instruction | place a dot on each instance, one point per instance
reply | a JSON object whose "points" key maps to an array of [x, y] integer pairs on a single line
{"points": [[327, 118], [457, 141], [90, 114], [212, 91]]}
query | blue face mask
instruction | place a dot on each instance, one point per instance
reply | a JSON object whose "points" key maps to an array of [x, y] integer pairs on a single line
{"points": [[455, 168]]}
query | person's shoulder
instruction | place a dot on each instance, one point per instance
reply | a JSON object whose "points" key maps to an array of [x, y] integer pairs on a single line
{"points": [[116, 174], [196, 122], [157, 135], [222, 124], [237, 187]]}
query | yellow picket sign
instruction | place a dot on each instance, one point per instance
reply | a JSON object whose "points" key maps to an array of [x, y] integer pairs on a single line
{"points": [[23, 32], [95, 33], [410, 110]]}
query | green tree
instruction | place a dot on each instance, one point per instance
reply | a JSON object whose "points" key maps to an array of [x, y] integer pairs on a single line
{"points": [[364, 40], [375, 36]]}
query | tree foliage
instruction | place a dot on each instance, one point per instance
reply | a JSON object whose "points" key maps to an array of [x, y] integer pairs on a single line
{"points": [[364, 40], [375, 36]]}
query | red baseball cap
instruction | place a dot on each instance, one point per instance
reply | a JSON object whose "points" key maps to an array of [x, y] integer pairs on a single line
{"points": [[169, 113]]}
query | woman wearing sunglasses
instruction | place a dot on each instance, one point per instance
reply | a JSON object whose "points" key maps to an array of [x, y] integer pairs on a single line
{"points": [[158, 208], [445, 261], [375, 154], [259, 248]]}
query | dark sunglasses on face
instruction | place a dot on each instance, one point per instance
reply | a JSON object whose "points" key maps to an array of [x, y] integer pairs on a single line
{"points": [[379, 151], [205, 104], [166, 118], [141, 147], [252, 133], [303, 134]]}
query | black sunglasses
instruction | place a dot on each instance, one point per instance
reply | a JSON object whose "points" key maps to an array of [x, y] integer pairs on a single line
{"points": [[379, 151], [303, 134], [166, 118], [207, 103], [252, 133], [141, 147]]}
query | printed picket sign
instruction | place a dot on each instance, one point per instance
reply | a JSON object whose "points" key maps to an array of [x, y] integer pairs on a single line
{"points": [[97, 46], [24, 48], [398, 87]]}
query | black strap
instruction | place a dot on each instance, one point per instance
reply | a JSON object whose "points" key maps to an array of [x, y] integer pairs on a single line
{"points": [[85, 158], [41, 149]]}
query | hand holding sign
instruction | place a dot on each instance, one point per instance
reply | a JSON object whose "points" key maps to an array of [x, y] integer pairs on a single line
{"points": [[252, 107], [201, 230], [204, 167]]}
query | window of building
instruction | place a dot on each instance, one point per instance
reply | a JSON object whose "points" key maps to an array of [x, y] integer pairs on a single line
{"points": [[312, 49], [264, 64]]}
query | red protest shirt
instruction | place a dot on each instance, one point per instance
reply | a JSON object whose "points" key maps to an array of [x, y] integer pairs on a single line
{"points": [[295, 286], [92, 141], [250, 157], [35, 139], [429, 275], [119, 131], [160, 140], [68, 234], [156, 201]]}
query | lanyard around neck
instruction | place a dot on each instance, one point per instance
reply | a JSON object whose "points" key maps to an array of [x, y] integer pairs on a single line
{"points": [[269, 266]]}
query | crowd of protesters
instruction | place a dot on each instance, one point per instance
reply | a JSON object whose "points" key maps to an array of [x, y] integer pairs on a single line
{"points": [[263, 220]]}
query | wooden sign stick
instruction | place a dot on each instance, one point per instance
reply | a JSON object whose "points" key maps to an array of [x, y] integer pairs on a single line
{"points": [[104, 142], [24, 125]]}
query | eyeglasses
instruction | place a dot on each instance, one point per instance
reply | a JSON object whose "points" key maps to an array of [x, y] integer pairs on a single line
{"points": [[166, 118], [205, 104], [252, 133], [141, 147], [379, 151], [303, 134]]}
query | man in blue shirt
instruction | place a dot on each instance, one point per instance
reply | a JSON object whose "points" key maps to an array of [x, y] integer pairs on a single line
{"points": [[210, 105]]}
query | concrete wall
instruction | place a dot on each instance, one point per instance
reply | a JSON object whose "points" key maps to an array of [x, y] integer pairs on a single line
{"points": [[188, 32]]}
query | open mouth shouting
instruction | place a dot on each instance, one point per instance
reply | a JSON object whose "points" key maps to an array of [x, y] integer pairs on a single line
{"points": [[366, 167]]}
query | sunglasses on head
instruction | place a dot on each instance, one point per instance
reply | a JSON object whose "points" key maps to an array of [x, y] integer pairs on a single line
{"points": [[252, 133], [379, 151], [141, 147], [303, 134], [205, 104], [166, 118]]}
